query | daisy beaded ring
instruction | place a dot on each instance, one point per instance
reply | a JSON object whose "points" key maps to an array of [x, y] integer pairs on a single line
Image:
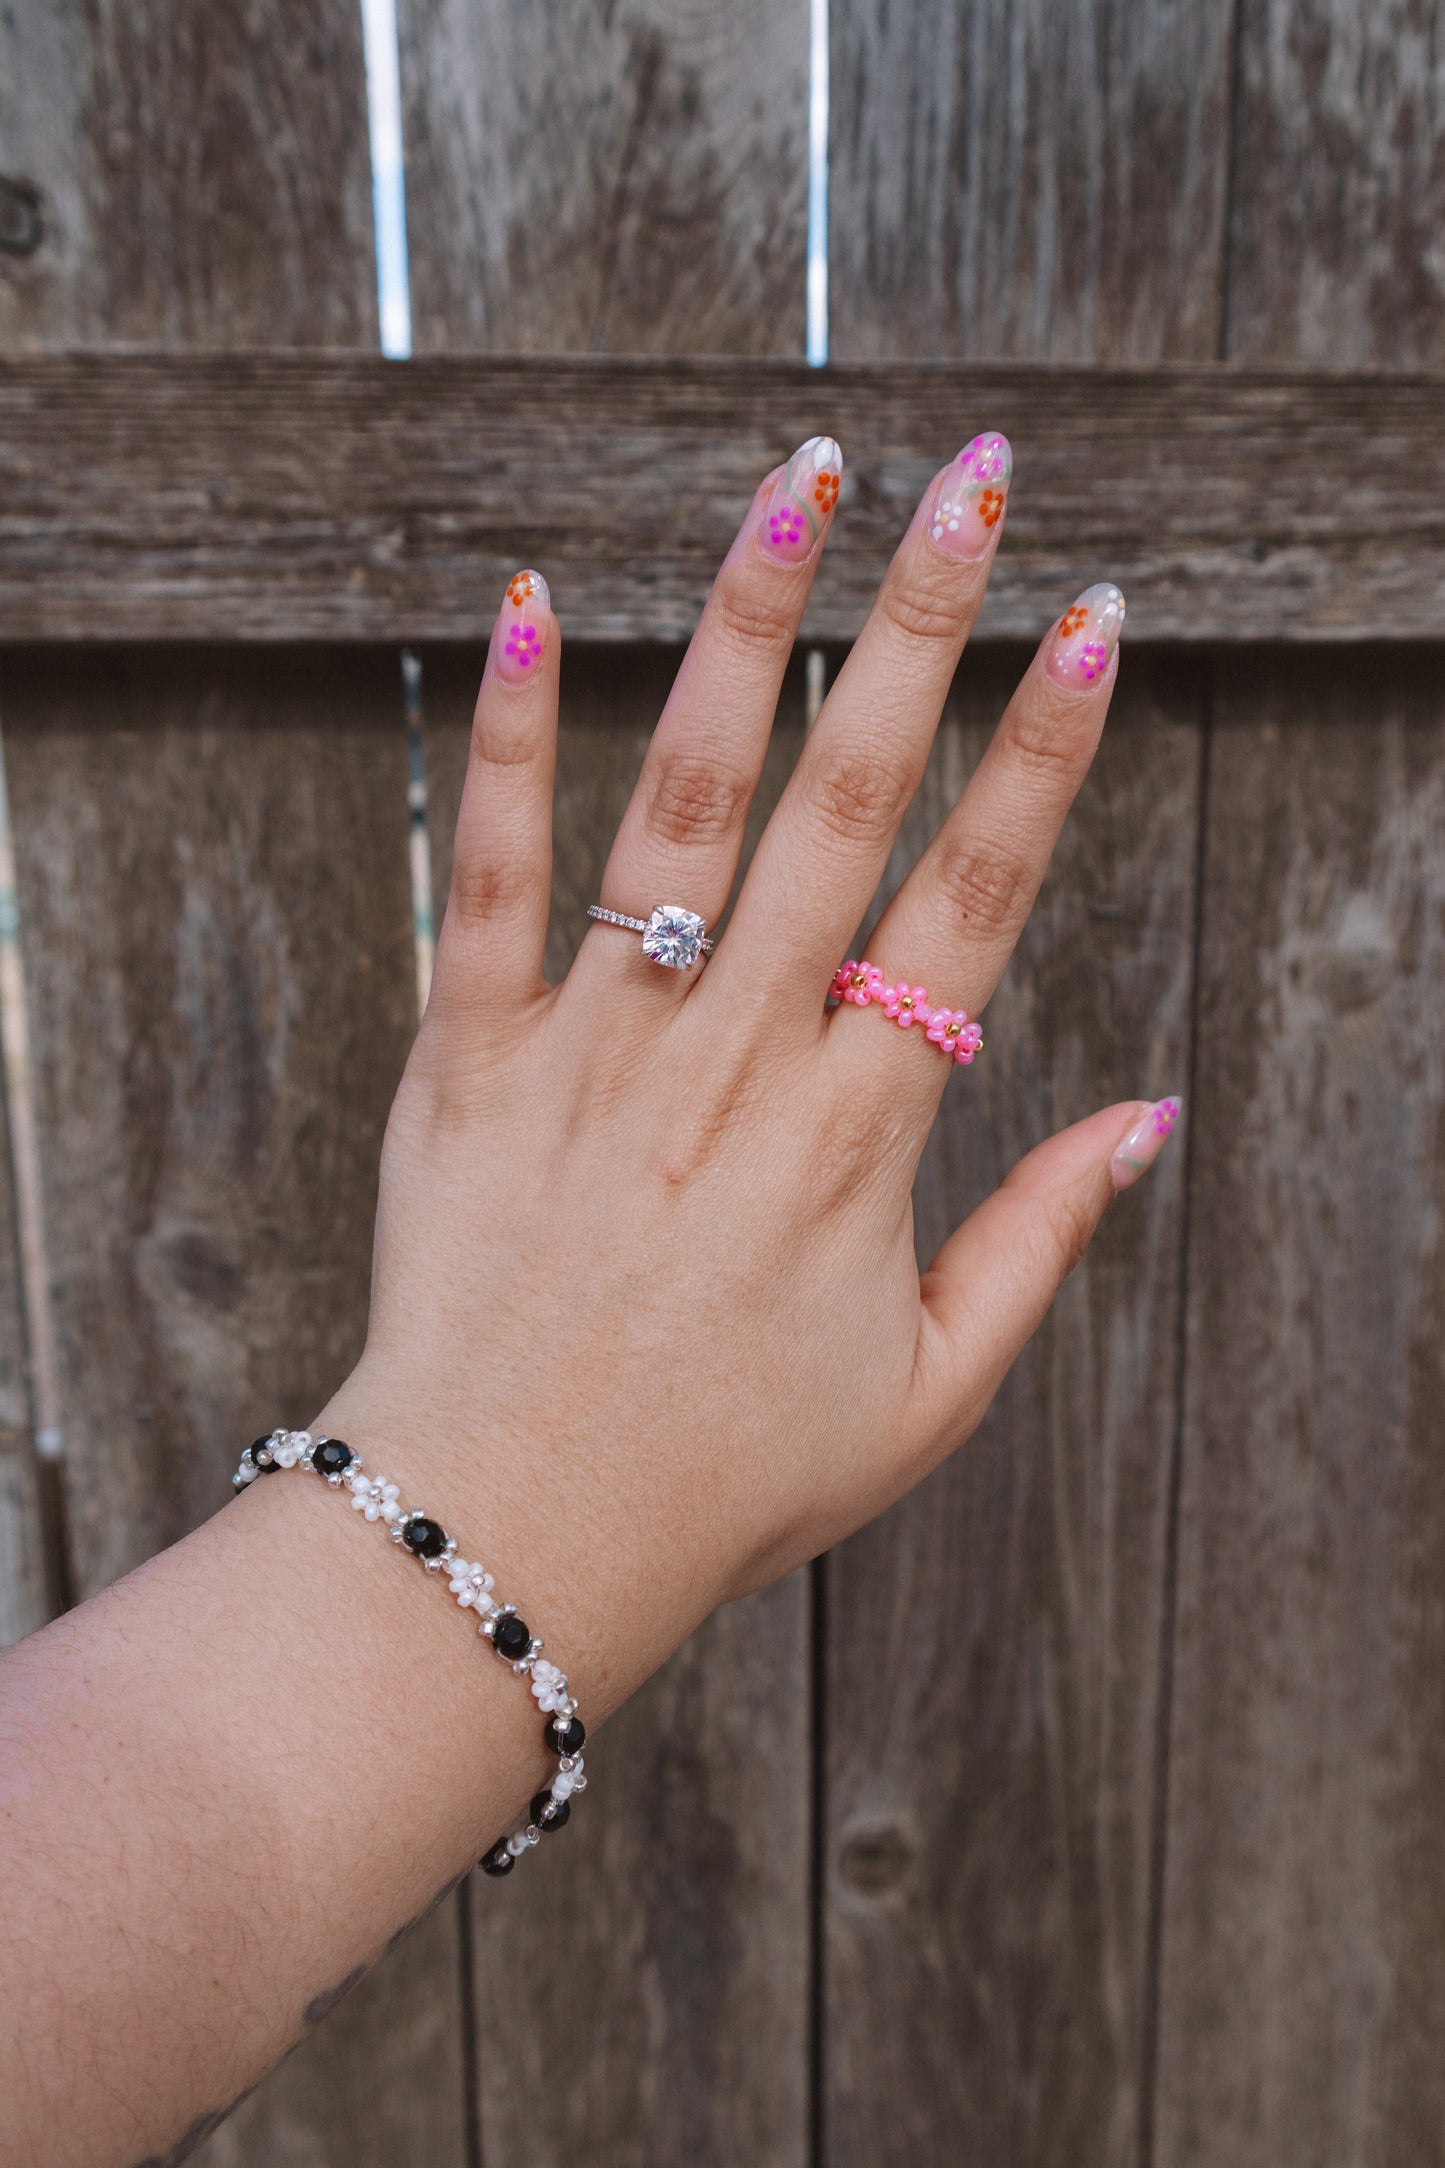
{"points": [[513, 1641], [865, 986]]}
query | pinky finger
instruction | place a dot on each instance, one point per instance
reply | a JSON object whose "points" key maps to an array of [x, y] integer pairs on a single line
{"points": [[495, 929], [987, 1290]]}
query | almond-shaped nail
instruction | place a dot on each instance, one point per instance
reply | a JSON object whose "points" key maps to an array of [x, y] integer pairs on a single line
{"points": [[968, 500], [520, 631], [1135, 1154], [1086, 637], [801, 502]]}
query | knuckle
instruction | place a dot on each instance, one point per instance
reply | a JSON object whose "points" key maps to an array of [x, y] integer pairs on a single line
{"points": [[988, 888], [1071, 1230], [921, 613], [752, 614], [495, 746], [1056, 740], [487, 891], [860, 795], [693, 800]]}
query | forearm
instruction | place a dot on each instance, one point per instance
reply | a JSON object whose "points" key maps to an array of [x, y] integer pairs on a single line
{"points": [[233, 1778]]}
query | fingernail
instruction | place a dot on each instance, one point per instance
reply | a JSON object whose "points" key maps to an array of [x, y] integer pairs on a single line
{"points": [[1137, 1152], [1086, 636], [802, 501], [519, 636], [969, 499]]}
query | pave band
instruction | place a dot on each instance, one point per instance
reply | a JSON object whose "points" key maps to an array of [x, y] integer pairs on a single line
{"points": [[673, 936]]}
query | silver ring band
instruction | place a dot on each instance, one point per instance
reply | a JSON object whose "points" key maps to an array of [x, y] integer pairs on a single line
{"points": [[673, 936]]}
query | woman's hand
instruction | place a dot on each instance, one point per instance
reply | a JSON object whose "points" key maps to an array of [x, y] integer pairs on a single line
{"points": [[647, 1325], [646, 1331]]}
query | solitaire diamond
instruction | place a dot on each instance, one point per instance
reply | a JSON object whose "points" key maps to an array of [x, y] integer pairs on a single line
{"points": [[673, 936]]}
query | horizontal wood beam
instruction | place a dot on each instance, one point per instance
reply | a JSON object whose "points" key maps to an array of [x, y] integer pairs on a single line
{"points": [[341, 497]]}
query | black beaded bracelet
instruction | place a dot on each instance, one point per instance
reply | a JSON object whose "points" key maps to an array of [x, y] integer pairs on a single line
{"points": [[510, 1636]]}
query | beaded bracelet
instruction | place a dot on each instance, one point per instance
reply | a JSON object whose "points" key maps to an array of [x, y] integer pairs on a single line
{"points": [[509, 1635]]}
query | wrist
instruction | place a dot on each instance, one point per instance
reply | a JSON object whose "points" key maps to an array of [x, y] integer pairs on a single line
{"points": [[579, 1573]]}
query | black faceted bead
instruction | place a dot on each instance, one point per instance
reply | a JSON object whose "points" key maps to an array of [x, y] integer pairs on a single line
{"points": [[498, 1861], [332, 1458], [550, 1813], [568, 1738], [268, 1465], [427, 1538], [513, 1637]]}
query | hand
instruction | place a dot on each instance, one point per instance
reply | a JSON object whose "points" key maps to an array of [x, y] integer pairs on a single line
{"points": [[647, 1328]]}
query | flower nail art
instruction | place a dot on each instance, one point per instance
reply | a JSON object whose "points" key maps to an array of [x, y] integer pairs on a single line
{"points": [[1136, 1154], [802, 501], [969, 500], [519, 641], [1086, 636]]}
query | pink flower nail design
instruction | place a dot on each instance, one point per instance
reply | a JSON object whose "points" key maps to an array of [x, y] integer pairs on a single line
{"points": [[802, 501], [520, 648], [1086, 637], [969, 500], [1136, 1153]]}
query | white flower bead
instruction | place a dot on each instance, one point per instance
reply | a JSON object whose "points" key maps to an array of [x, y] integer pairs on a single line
{"points": [[549, 1685], [377, 1500], [471, 1586], [287, 1451], [562, 1784], [248, 1471]]}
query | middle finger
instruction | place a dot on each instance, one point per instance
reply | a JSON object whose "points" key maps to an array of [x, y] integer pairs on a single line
{"points": [[821, 857]]}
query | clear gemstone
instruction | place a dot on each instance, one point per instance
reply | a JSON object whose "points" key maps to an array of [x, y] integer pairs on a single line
{"points": [[673, 936]]}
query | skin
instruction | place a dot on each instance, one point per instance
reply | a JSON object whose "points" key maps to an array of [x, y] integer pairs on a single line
{"points": [[228, 1782]]}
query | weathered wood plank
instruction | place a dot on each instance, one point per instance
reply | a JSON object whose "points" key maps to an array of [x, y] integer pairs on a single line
{"points": [[1338, 195], [1303, 2001], [632, 178], [272, 497], [993, 1642], [679, 1915], [213, 891], [212, 879], [201, 174], [624, 179], [1036, 180]]}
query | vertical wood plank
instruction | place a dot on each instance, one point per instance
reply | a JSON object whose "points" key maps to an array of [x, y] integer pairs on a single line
{"points": [[667, 1942], [1038, 183], [624, 179], [993, 1642], [1299, 2000], [213, 894], [202, 173], [1032, 180], [211, 862], [1339, 187], [632, 179], [1302, 1997]]}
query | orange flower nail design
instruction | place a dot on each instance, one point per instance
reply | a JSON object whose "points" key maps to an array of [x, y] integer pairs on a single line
{"points": [[969, 500]]}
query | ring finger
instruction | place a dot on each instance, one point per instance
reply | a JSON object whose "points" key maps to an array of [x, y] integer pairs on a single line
{"points": [[953, 925]]}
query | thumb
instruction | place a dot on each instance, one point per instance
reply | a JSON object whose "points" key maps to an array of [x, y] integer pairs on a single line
{"points": [[989, 1286]]}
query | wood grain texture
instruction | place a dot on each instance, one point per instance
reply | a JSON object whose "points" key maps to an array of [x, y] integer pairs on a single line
{"points": [[667, 1942], [1303, 2004], [994, 1642], [1339, 184], [28, 1571], [622, 179], [267, 497], [201, 173], [1031, 180], [212, 878]]}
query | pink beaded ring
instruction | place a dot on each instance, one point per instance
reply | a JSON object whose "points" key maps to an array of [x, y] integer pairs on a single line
{"points": [[864, 985]]}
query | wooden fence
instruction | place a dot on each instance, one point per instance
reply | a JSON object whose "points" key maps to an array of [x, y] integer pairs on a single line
{"points": [[1087, 1809]]}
